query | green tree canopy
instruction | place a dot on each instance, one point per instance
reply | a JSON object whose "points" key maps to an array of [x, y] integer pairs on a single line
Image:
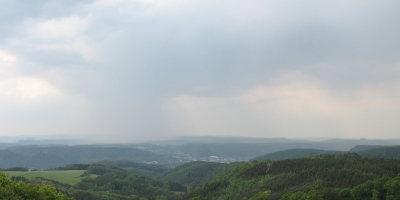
{"points": [[13, 190]]}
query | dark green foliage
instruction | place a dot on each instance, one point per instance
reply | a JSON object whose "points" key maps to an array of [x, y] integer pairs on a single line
{"points": [[393, 188], [74, 167], [382, 188], [379, 189], [19, 178], [261, 196], [200, 172], [295, 196], [80, 194], [258, 169], [198, 198], [294, 153], [345, 194], [363, 191], [15, 169]]}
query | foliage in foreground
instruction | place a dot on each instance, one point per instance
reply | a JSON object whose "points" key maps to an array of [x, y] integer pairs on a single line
{"points": [[13, 190], [383, 188]]}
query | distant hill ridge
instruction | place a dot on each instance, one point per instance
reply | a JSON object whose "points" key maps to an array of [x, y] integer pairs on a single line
{"points": [[373, 151], [294, 153], [365, 147], [49, 156], [54, 156], [392, 152]]}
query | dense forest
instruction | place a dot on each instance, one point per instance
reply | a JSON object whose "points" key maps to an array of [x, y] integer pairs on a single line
{"points": [[152, 170], [347, 176], [196, 173]]}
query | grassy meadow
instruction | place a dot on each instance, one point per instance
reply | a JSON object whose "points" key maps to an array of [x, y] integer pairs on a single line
{"points": [[64, 176]]}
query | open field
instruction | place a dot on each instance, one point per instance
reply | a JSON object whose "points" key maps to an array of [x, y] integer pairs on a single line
{"points": [[64, 176]]}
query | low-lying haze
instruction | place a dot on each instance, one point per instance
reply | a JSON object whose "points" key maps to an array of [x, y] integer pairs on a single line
{"points": [[129, 70]]}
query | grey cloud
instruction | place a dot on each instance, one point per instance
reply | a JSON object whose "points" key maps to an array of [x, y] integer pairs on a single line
{"points": [[144, 55]]}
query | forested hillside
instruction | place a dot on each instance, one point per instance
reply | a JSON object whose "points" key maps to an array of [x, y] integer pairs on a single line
{"points": [[333, 176], [112, 183], [115, 183], [39, 160], [195, 173], [152, 170]]}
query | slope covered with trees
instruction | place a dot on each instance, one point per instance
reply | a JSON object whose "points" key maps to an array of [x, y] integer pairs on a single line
{"points": [[152, 170], [329, 175], [112, 183], [196, 173]]}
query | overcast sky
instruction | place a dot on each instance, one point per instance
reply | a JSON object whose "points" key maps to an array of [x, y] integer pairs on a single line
{"points": [[129, 70]]}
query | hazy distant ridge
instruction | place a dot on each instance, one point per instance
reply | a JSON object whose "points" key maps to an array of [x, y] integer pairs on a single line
{"points": [[295, 153], [54, 156]]}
